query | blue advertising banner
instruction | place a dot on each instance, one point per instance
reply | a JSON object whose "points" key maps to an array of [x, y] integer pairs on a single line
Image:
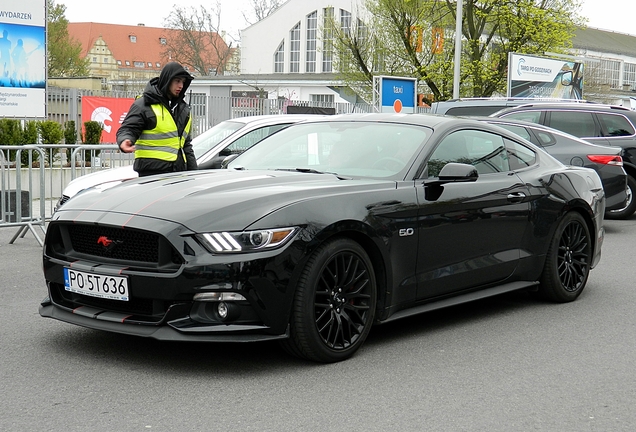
{"points": [[398, 94], [23, 58], [538, 77]]}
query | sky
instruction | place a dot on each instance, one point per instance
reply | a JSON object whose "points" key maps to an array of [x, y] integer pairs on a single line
{"points": [[615, 15]]}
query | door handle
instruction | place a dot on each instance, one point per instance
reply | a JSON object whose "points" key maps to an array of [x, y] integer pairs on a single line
{"points": [[516, 197]]}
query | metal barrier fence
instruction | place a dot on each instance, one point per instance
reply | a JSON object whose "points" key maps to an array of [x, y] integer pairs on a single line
{"points": [[66, 104], [32, 178]]}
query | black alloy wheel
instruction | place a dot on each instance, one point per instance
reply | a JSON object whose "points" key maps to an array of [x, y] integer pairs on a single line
{"points": [[334, 305], [568, 260]]}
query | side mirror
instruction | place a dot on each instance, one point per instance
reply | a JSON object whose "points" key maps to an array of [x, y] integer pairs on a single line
{"points": [[452, 172], [566, 78], [458, 172], [228, 159]]}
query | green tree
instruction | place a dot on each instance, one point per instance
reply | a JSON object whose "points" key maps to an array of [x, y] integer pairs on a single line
{"points": [[398, 37], [64, 53]]}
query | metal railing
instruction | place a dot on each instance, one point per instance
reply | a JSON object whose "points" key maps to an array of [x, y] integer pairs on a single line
{"points": [[32, 178]]}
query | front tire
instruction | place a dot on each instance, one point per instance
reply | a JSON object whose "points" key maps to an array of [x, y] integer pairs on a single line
{"points": [[334, 304], [568, 261]]}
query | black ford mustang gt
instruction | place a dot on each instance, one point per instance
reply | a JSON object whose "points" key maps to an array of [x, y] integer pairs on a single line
{"points": [[321, 231]]}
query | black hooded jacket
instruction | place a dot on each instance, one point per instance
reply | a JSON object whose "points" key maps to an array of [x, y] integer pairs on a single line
{"points": [[141, 117]]}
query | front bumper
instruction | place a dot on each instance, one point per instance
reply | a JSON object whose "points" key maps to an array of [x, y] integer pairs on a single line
{"points": [[168, 296], [175, 327]]}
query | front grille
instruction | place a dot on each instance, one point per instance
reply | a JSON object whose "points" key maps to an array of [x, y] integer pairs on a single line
{"points": [[115, 243]]}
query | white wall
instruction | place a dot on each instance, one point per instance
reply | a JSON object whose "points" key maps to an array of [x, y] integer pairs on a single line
{"points": [[260, 41]]}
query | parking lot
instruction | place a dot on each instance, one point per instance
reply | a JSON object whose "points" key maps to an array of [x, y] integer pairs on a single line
{"points": [[501, 364]]}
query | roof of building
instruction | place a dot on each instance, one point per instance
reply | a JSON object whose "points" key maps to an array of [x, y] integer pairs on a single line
{"points": [[126, 43], [604, 41]]}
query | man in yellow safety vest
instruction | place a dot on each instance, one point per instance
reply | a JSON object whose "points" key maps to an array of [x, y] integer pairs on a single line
{"points": [[157, 126]]}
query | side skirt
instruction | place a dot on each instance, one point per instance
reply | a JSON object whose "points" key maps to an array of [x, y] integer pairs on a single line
{"points": [[462, 298]]}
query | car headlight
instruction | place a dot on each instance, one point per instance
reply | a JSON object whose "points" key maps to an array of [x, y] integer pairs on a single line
{"points": [[246, 241]]}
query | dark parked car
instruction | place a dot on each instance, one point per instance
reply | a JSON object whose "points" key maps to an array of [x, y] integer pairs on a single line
{"points": [[211, 148], [484, 106], [570, 150], [324, 229], [596, 123]]}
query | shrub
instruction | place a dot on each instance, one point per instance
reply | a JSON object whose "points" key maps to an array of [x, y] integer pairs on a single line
{"points": [[51, 132], [11, 134], [70, 136], [92, 135], [30, 135], [70, 133]]}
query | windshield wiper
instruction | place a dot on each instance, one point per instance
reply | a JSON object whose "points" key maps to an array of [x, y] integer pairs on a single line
{"points": [[313, 171], [303, 170]]}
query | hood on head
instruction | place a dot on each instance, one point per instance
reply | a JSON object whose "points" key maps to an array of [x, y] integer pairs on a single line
{"points": [[168, 73]]}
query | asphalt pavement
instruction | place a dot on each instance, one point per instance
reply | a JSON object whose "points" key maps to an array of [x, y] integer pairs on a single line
{"points": [[509, 363]]}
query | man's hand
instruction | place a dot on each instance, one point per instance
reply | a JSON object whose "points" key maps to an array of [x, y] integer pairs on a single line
{"points": [[127, 146]]}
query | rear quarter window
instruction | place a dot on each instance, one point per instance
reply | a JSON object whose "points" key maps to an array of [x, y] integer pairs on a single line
{"points": [[615, 125], [519, 156], [530, 116]]}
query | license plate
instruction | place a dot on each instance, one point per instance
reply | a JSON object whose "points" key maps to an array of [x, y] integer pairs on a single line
{"points": [[96, 285]]}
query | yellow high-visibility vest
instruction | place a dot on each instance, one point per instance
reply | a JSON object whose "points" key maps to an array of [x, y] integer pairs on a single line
{"points": [[162, 142]]}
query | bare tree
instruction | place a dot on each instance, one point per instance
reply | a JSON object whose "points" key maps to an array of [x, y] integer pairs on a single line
{"points": [[197, 41], [261, 9]]}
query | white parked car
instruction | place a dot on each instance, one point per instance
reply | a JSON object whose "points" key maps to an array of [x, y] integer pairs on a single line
{"points": [[211, 148]]}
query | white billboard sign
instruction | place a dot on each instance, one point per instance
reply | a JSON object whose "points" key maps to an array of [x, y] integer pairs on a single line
{"points": [[538, 77], [23, 58]]}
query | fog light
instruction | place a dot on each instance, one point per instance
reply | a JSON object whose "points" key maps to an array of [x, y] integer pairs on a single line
{"points": [[223, 310]]}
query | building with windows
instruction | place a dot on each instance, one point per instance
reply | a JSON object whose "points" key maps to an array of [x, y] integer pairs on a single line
{"points": [[610, 62], [287, 56], [126, 57]]}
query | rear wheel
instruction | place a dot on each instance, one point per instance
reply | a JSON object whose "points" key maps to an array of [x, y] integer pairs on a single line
{"points": [[568, 261], [630, 205], [334, 304]]}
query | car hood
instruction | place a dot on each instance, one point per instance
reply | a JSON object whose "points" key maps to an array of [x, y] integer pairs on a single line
{"points": [[219, 199], [97, 178]]}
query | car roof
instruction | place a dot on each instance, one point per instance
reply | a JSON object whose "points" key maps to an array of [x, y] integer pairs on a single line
{"points": [[461, 104], [564, 105], [537, 126]]}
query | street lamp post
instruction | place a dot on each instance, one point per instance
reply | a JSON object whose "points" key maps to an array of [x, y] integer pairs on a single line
{"points": [[458, 49]]}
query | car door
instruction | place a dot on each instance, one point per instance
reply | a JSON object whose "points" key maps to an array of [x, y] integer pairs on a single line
{"points": [[618, 130], [470, 233]]}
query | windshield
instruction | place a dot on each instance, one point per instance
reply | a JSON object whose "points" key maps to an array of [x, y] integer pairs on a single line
{"points": [[352, 149], [210, 138]]}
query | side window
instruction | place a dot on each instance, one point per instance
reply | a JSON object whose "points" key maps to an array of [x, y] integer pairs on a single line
{"points": [[519, 155], [546, 139], [249, 139], [531, 116], [517, 130], [577, 123], [484, 150], [615, 125]]}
